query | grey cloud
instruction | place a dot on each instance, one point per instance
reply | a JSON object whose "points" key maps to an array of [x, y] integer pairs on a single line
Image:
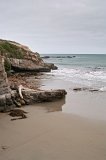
{"points": [[55, 26]]}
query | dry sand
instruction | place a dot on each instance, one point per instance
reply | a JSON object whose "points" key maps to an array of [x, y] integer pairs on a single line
{"points": [[51, 136]]}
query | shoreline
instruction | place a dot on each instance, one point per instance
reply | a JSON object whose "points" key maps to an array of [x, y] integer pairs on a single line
{"points": [[73, 127], [87, 104], [50, 132]]}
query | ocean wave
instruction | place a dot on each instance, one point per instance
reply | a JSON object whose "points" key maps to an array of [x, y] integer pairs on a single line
{"points": [[81, 75]]}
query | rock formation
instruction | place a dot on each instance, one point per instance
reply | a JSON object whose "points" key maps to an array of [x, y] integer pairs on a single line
{"points": [[21, 59], [32, 96], [5, 92], [85, 89], [3, 78]]}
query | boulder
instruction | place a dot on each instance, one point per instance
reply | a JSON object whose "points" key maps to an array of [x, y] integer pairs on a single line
{"points": [[45, 57], [51, 66], [85, 89], [43, 96], [21, 114]]}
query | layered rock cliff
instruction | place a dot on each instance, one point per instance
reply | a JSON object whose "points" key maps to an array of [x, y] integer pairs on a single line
{"points": [[4, 88], [5, 91], [14, 56], [20, 58]]}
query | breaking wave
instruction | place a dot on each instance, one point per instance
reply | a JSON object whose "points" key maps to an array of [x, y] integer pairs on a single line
{"points": [[88, 77]]}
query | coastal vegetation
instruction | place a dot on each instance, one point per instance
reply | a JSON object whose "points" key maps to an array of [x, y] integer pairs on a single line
{"points": [[14, 91], [7, 65], [10, 50]]}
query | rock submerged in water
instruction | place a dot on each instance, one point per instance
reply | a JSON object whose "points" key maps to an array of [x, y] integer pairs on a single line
{"points": [[51, 66], [46, 57], [85, 89]]}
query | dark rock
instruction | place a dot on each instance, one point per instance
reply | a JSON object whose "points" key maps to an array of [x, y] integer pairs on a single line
{"points": [[77, 89], [69, 57], [93, 90], [51, 66], [22, 102], [18, 113], [64, 56], [45, 57], [30, 68], [18, 104], [2, 101], [9, 101], [4, 147], [86, 89]]}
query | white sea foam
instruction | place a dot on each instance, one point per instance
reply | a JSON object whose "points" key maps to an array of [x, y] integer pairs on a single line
{"points": [[81, 76], [103, 89], [86, 70]]}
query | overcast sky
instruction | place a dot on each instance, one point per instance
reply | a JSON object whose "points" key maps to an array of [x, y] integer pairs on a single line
{"points": [[55, 26]]}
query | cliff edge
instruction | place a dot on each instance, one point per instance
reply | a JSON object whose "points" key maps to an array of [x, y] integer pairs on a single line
{"points": [[20, 58]]}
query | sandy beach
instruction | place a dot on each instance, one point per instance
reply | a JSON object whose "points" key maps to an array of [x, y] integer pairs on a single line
{"points": [[71, 128], [51, 135]]}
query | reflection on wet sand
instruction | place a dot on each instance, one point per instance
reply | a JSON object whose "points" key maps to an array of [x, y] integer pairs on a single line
{"points": [[53, 106]]}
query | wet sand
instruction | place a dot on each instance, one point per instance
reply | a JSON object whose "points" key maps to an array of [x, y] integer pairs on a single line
{"points": [[51, 135], [91, 105]]}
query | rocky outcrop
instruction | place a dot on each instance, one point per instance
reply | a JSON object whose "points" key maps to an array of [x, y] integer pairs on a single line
{"points": [[21, 58], [31, 96], [67, 56], [51, 66], [25, 65], [3, 78], [45, 57], [23, 96], [17, 113], [27, 96], [5, 91]]}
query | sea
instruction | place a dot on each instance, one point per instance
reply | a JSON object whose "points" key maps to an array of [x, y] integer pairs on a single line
{"points": [[87, 70], [78, 71]]}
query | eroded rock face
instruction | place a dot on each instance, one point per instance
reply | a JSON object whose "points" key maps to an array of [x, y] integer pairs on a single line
{"points": [[3, 79], [25, 65], [22, 59], [32, 97], [51, 66], [5, 92]]}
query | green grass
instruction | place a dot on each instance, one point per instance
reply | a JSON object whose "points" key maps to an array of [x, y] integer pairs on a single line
{"points": [[7, 65], [11, 51]]}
